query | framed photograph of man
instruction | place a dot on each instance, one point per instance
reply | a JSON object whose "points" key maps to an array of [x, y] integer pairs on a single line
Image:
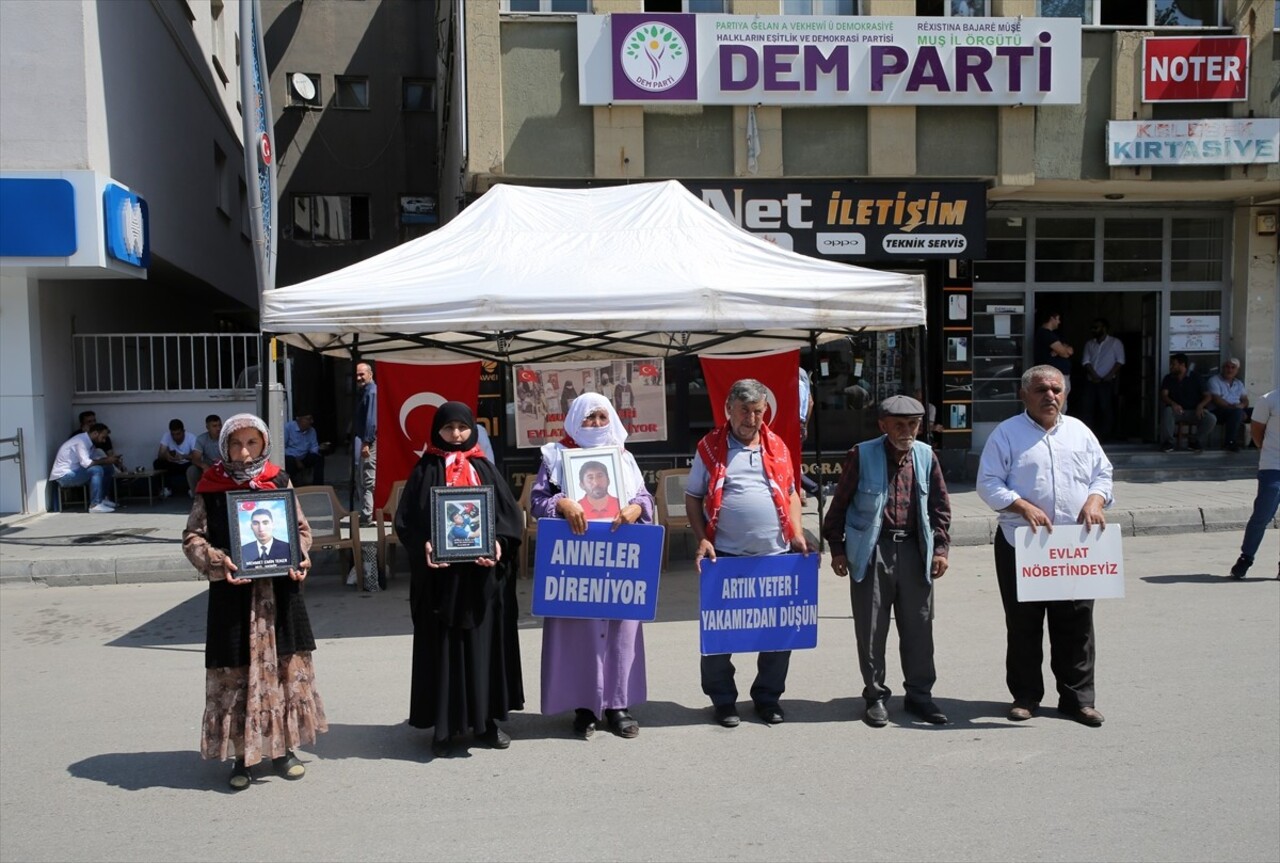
{"points": [[593, 478], [264, 539], [462, 523]]}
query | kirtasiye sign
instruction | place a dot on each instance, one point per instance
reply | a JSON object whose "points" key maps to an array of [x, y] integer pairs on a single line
{"points": [[1240, 141], [643, 58]]}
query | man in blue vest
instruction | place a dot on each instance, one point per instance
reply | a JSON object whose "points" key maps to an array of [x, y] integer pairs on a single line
{"points": [[887, 527]]}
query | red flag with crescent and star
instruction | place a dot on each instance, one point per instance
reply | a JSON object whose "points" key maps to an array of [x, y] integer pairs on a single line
{"points": [[779, 372], [408, 395]]}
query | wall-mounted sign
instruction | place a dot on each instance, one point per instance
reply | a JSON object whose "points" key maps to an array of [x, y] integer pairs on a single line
{"points": [[126, 226], [1194, 332], [1195, 69], [37, 217], [646, 58], [866, 221], [1240, 141]]}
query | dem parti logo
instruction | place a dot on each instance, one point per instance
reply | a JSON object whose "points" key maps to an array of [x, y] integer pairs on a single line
{"points": [[654, 57]]}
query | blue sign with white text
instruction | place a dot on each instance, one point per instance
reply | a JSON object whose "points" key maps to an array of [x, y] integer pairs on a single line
{"points": [[603, 574], [754, 604], [127, 226]]}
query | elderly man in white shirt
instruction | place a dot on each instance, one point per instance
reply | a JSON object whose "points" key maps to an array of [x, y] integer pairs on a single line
{"points": [[1043, 468], [1228, 401], [1103, 360]]}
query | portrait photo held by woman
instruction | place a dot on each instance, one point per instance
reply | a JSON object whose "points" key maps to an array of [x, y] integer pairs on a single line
{"points": [[260, 696], [594, 667], [466, 673]]}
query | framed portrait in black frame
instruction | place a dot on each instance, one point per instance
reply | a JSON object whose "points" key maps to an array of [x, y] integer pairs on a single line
{"points": [[462, 523], [593, 478], [264, 535]]}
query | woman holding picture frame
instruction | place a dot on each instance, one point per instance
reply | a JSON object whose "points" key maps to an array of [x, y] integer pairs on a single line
{"points": [[594, 667], [466, 651], [260, 695]]}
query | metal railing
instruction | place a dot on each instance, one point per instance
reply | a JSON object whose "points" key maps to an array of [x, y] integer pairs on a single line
{"points": [[165, 362], [16, 440]]}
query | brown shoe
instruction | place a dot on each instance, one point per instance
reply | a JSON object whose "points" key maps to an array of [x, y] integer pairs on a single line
{"points": [[1084, 715], [1021, 711]]}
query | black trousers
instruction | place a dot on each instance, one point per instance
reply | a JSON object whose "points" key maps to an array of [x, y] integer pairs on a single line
{"points": [[1071, 642], [1099, 408], [895, 582]]}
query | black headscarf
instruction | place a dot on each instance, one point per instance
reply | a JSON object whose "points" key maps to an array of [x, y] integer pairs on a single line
{"points": [[454, 412]]}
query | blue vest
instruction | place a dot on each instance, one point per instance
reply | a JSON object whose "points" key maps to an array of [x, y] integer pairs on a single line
{"points": [[866, 511]]}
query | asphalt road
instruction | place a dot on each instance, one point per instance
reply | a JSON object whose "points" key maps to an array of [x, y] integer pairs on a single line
{"points": [[103, 692]]}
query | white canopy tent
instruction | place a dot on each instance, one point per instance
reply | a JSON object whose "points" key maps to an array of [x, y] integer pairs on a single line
{"points": [[528, 273]]}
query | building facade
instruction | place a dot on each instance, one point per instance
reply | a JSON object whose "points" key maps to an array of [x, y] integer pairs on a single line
{"points": [[125, 226], [1087, 199]]}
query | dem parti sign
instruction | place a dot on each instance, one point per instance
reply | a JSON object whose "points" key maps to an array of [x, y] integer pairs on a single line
{"points": [[640, 58]]}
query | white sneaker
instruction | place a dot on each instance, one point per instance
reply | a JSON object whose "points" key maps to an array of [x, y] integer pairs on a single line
{"points": [[101, 507], [110, 503], [165, 492], [351, 576]]}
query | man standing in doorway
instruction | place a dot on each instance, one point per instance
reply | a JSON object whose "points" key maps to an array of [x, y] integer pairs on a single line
{"points": [[1051, 350], [742, 500], [366, 443], [1041, 468], [1103, 359]]}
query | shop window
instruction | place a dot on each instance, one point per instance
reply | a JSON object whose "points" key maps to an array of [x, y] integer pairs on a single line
{"points": [[1064, 250], [419, 94], [1156, 13], [819, 7], [953, 8], [351, 92], [1197, 250], [330, 218], [1131, 250], [998, 335], [1006, 259]]}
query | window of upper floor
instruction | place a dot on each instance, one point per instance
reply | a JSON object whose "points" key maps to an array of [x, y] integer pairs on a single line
{"points": [[330, 219], [418, 94], [1137, 13], [819, 7], [953, 8], [351, 92]]}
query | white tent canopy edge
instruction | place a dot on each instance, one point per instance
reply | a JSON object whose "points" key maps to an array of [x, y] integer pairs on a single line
{"points": [[529, 273]]}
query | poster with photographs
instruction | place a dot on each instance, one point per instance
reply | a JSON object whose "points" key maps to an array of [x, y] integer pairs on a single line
{"points": [[544, 391], [462, 523], [264, 540], [593, 478]]}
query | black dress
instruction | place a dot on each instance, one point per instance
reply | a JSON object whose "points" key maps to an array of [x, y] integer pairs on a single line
{"points": [[466, 650]]}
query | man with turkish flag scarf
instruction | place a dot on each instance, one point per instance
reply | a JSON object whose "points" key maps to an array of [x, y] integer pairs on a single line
{"points": [[408, 396], [742, 500]]}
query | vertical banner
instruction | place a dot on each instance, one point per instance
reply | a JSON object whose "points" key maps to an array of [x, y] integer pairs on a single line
{"points": [[408, 396], [779, 372]]}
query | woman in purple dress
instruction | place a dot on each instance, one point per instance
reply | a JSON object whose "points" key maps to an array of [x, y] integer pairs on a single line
{"points": [[593, 667]]}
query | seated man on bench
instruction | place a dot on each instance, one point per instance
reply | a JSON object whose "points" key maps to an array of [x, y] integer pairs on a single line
{"points": [[1184, 399], [302, 450]]}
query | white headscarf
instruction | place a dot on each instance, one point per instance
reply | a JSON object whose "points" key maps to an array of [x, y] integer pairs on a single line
{"points": [[613, 434]]}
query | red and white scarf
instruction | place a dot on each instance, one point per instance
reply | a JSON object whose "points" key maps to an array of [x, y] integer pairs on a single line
{"points": [[457, 465], [714, 452]]}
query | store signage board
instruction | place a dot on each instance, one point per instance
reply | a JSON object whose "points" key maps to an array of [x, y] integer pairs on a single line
{"points": [[648, 58], [1195, 69], [1235, 141]]}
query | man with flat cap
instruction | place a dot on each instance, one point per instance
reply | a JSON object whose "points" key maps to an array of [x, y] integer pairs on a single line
{"points": [[888, 527]]}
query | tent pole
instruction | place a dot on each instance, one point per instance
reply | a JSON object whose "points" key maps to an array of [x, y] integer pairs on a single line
{"points": [[817, 428], [351, 436]]}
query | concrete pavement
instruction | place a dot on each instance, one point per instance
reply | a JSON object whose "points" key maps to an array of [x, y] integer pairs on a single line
{"points": [[103, 691], [141, 543]]}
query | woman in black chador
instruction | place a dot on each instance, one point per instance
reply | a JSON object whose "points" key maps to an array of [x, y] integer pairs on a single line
{"points": [[466, 653]]}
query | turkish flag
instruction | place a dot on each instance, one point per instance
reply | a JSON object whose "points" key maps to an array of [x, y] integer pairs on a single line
{"points": [[528, 376], [408, 396], [779, 372], [647, 370]]}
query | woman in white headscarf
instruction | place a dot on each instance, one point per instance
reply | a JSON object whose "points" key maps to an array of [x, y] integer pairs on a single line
{"points": [[593, 667], [260, 696]]}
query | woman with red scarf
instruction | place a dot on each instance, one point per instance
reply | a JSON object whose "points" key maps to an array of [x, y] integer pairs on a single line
{"points": [[466, 651], [260, 695]]}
